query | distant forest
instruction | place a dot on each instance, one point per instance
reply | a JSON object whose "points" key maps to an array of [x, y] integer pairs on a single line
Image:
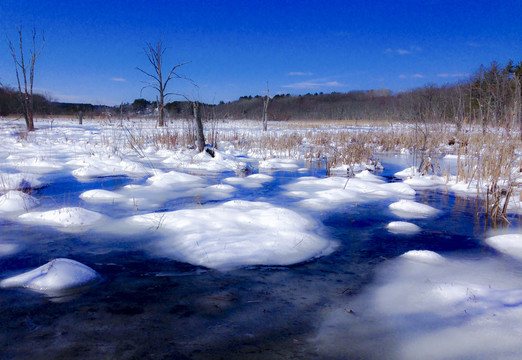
{"points": [[490, 96]]}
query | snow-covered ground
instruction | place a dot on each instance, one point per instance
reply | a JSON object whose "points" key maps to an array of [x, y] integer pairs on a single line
{"points": [[188, 206]]}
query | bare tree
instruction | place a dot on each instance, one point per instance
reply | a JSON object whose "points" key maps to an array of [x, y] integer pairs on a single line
{"points": [[200, 136], [160, 80], [265, 108], [25, 84]]}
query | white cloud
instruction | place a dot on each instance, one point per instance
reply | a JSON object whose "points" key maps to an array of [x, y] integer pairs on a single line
{"points": [[414, 76], [409, 51], [314, 84], [117, 79], [299, 73]]}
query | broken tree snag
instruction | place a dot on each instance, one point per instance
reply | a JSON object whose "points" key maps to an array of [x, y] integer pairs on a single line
{"points": [[200, 140], [265, 108]]}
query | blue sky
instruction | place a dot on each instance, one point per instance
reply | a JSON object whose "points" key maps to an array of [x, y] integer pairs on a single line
{"points": [[234, 47]]}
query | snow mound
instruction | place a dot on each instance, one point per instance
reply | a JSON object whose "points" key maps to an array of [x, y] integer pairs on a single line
{"points": [[251, 181], [424, 181], [510, 244], [204, 161], [16, 202], [327, 193], [409, 172], [65, 218], [55, 276], [344, 169], [36, 164], [99, 195], [278, 164], [412, 210], [402, 227], [19, 181], [235, 234], [174, 179], [423, 256], [101, 166]]}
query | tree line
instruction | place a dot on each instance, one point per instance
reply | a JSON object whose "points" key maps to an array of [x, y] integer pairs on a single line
{"points": [[491, 96]]}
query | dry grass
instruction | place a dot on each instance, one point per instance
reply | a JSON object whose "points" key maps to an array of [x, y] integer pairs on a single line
{"points": [[484, 159]]}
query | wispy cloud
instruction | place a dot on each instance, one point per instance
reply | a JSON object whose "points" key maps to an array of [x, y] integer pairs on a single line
{"points": [[414, 76], [446, 75], [299, 73], [412, 49], [117, 79], [314, 84]]}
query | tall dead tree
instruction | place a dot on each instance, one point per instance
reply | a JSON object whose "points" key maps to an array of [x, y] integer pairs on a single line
{"points": [[160, 80], [200, 136], [265, 108], [25, 80]]}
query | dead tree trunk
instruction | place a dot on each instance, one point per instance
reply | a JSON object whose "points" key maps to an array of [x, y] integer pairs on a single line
{"points": [[265, 109], [25, 85], [80, 118], [199, 127]]}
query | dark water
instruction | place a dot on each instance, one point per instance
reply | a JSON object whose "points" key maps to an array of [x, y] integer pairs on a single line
{"points": [[151, 307]]}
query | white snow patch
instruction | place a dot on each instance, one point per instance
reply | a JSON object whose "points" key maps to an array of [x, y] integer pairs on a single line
{"points": [[251, 181], [424, 181], [236, 233], [278, 164], [102, 196], [510, 244], [204, 161], [57, 275], [412, 210], [402, 227], [409, 172], [436, 309], [100, 166], [423, 256], [36, 164], [331, 192], [17, 202], [18, 181], [65, 218]]}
